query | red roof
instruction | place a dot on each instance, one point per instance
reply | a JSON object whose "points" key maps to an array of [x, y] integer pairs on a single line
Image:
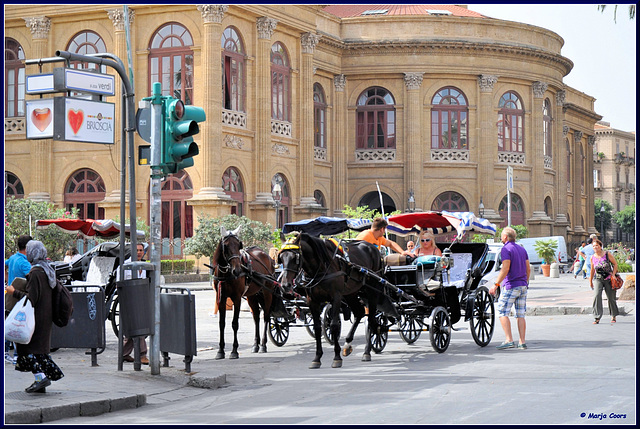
{"points": [[354, 10]]}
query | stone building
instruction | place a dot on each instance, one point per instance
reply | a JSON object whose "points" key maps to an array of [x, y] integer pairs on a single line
{"points": [[614, 173], [328, 102]]}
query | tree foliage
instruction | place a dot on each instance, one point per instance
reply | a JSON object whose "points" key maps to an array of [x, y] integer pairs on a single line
{"points": [[20, 213], [626, 219], [632, 11], [607, 215], [207, 234], [521, 232]]}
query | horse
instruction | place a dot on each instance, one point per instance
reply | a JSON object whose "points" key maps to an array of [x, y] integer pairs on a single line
{"points": [[332, 279], [237, 273]]}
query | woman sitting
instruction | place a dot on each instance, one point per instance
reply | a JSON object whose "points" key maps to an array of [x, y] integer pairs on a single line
{"points": [[427, 245]]}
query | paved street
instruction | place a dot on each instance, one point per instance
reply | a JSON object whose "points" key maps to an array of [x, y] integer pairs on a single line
{"points": [[571, 367]]}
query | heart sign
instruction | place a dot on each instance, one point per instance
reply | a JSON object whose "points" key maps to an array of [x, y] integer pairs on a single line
{"points": [[41, 118], [75, 118]]}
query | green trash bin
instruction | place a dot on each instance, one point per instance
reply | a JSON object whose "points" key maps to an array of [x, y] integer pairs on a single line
{"points": [[136, 307]]}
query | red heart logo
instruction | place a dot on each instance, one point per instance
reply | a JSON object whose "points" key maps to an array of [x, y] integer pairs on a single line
{"points": [[41, 118], [75, 117]]}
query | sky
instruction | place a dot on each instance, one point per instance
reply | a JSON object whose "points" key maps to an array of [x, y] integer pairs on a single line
{"points": [[603, 51]]}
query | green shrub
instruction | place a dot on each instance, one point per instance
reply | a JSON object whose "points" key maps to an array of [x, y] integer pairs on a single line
{"points": [[176, 266], [624, 267]]}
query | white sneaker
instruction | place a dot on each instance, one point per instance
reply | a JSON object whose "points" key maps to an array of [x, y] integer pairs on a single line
{"points": [[10, 359]]}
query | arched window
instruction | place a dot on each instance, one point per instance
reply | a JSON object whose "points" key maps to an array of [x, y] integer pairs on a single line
{"points": [[451, 202], [280, 83], [319, 117], [14, 79], [517, 210], [84, 43], [319, 197], [546, 128], [13, 186], [510, 123], [285, 199], [371, 200], [171, 61], [449, 119], [177, 215], [232, 185], [548, 207], [84, 190], [568, 146], [375, 120], [233, 70]]}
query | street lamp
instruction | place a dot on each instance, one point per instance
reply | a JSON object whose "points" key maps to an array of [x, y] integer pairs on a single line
{"points": [[481, 208], [277, 197], [602, 220], [411, 202]]}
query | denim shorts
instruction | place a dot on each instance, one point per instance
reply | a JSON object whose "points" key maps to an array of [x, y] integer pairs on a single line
{"points": [[508, 297]]}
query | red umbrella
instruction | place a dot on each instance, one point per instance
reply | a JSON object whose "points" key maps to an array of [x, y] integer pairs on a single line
{"points": [[105, 228]]}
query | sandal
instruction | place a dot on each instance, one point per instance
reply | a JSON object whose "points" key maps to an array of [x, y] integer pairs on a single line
{"points": [[595, 322], [613, 320]]}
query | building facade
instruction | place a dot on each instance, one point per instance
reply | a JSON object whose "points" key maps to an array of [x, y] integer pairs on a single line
{"points": [[614, 173], [325, 103]]}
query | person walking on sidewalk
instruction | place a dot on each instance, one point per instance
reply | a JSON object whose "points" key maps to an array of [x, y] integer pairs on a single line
{"points": [[515, 272], [581, 262], [16, 266], [588, 253], [34, 356], [604, 266]]}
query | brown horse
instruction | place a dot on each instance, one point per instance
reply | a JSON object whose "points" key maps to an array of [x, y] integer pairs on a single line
{"points": [[237, 273]]}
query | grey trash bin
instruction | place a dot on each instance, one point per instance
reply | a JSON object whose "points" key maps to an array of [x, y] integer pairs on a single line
{"points": [[136, 307]]}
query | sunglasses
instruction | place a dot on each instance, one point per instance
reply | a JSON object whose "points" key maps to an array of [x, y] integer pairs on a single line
{"points": [[425, 240]]}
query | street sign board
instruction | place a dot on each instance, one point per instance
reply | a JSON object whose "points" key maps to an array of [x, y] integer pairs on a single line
{"points": [[40, 84], [510, 178], [67, 79], [39, 118], [83, 120]]}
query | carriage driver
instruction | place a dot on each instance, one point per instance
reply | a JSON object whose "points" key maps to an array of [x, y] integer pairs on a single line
{"points": [[375, 235]]}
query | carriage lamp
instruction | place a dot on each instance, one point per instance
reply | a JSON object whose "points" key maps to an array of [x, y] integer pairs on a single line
{"points": [[481, 208], [411, 202], [277, 198]]}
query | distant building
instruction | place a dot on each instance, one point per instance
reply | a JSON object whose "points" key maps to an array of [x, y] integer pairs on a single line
{"points": [[614, 172], [325, 101]]}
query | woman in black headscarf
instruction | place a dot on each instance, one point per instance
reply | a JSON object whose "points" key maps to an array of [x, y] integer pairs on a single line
{"points": [[34, 356]]}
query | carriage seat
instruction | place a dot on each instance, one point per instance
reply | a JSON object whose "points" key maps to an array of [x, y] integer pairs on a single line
{"points": [[427, 261], [100, 268]]}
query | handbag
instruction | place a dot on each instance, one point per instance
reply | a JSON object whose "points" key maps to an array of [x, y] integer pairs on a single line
{"points": [[21, 322], [616, 282]]}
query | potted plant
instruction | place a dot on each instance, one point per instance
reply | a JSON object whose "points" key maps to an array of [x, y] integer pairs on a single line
{"points": [[546, 249]]}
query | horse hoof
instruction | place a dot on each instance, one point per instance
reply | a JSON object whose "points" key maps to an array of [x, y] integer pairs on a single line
{"points": [[337, 363], [366, 358], [263, 349], [315, 365], [254, 349], [234, 355], [347, 351]]}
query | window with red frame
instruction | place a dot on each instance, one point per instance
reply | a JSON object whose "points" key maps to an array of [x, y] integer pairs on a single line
{"points": [[14, 79], [510, 123], [375, 120], [171, 61], [319, 117], [84, 190], [280, 83], [449, 120], [232, 185], [233, 70], [546, 127]]}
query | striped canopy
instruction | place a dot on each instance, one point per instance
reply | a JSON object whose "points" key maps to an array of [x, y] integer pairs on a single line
{"points": [[323, 225], [439, 223]]}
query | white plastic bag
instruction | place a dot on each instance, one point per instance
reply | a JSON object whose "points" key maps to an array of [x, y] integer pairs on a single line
{"points": [[21, 322]]}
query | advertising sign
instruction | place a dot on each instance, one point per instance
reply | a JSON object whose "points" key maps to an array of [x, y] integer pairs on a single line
{"points": [[39, 118], [84, 121]]}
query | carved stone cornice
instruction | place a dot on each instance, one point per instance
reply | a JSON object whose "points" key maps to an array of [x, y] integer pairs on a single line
{"points": [[486, 82], [266, 27], [212, 13], [339, 82], [560, 97], [117, 18], [591, 140], [539, 88], [413, 80], [309, 42], [577, 136], [39, 26], [565, 130]]}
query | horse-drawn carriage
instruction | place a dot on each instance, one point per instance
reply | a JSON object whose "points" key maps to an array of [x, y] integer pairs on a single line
{"points": [[429, 294]]}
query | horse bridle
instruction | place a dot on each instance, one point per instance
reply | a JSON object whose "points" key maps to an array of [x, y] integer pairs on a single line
{"points": [[226, 269]]}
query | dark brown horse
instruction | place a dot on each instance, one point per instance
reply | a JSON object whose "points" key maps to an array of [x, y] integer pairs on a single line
{"points": [[331, 279], [237, 273]]}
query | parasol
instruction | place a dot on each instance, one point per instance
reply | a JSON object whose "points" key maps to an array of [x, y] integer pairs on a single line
{"points": [[439, 223], [104, 228]]}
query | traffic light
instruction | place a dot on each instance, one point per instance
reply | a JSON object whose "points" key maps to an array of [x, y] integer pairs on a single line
{"points": [[180, 124]]}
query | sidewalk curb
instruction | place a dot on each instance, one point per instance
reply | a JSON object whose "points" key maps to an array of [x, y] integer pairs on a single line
{"points": [[552, 310]]}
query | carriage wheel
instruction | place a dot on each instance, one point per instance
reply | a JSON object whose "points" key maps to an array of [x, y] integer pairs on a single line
{"points": [[482, 321], [411, 327], [278, 330], [114, 315], [308, 323], [381, 335], [440, 329], [325, 319]]}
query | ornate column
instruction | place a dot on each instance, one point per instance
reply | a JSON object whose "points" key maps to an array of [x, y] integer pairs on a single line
{"points": [[111, 203], [588, 185], [561, 162], [211, 198], [487, 149], [578, 163], [41, 150], [413, 151], [265, 27], [537, 156], [340, 147], [305, 164]]}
